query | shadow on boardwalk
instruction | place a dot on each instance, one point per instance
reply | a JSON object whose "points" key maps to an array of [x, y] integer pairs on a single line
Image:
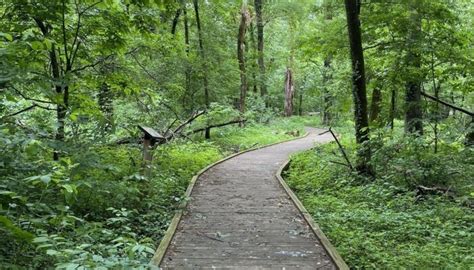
{"points": [[240, 217]]}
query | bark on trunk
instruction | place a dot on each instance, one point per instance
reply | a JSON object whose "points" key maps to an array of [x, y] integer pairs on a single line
{"points": [[393, 101], [327, 98], [106, 107], [204, 64], [300, 106], [470, 133], [289, 92], [188, 93], [375, 106], [253, 60], [358, 87], [413, 109], [244, 16], [175, 21], [261, 62]]}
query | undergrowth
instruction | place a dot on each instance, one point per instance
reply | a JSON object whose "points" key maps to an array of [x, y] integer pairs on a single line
{"points": [[94, 209], [389, 223]]}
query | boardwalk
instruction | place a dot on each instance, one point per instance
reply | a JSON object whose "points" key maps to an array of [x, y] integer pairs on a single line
{"points": [[240, 217]]}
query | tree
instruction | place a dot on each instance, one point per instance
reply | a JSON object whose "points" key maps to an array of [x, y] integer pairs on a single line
{"points": [[289, 92], [260, 43], [204, 63], [244, 19], [358, 87], [413, 109]]}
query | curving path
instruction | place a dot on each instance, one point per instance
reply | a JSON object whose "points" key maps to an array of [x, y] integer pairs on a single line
{"points": [[240, 217]]}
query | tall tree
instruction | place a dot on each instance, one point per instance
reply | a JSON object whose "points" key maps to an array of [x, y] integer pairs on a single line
{"points": [[244, 18], [261, 62], [327, 97], [413, 109], [204, 63], [327, 75], [289, 92], [358, 86]]}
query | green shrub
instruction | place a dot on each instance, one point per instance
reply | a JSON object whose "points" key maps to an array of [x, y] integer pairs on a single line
{"points": [[383, 224]]}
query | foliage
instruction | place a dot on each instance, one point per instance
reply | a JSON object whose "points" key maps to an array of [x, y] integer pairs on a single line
{"points": [[385, 223], [108, 215]]}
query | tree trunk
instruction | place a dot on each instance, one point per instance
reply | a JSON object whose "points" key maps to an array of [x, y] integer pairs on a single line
{"points": [[413, 110], [327, 76], [244, 16], [358, 87], [470, 133], [105, 100], [327, 98], [300, 106], [204, 63], [375, 106], [254, 62], [393, 101], [261, 63], [289, 92], [188, 93], [61, 107], [175, 21]]}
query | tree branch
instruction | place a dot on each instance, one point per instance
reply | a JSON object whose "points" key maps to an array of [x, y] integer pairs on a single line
{"points": [[20, 111], [219, 125], [28, 98], [93, 64], [448, 105]]}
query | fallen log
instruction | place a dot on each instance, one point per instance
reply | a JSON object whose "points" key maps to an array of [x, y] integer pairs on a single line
{"points": [[237, 121]]}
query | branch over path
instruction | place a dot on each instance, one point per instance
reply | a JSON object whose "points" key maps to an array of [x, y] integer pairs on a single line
{"points": [[241, 217]]}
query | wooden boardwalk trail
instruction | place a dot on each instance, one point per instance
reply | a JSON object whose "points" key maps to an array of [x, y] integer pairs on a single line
{"points": [[240, 216]]}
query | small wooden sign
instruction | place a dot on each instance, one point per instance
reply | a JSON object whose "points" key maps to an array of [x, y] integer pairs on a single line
{"points": [[150, 137]]}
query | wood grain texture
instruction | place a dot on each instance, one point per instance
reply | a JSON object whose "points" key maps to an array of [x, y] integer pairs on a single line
{"points": [[240, 216]]}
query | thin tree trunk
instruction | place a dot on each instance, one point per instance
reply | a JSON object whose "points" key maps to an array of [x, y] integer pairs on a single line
{"points": [[413, 110], [300, 106], [61, 107], [470, 133], [358, 87], [188, 94], [175, 21], [289, 92], [105, 104], [254, 62], [244, 16], [327, 98], [375, 106], [327, 76], [393, 100], [204, 64], [261, 63]]}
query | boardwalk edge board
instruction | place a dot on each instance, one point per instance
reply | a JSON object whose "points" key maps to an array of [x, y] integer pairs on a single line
{"points": [[168, 237], [330, 249]]}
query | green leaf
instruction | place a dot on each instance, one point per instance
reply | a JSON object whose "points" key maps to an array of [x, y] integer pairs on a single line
{"points": [[48, 43], [16, 231], [37, 45], [6, 36], [52, 252], [45, 178]]}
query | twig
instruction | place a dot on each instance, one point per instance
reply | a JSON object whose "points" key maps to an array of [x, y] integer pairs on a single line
{"points": [[349, 164]]}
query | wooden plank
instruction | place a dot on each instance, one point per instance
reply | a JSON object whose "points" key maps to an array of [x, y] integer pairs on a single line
{"points": [[340, 263], [165, 242]]}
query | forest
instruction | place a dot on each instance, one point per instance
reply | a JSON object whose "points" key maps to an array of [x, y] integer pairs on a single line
{"points": [[85, 84]]}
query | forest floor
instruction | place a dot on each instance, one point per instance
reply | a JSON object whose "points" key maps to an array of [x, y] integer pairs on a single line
{"points": [[390, 222], [240, 216]]}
